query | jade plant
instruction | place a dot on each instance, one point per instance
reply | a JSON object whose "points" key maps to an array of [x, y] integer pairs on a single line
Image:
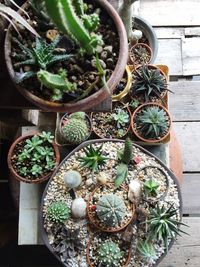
{"points": [[58, 212], [37, 156], [152, 122], [76, 129], [146, 251], [93, 158], [151, 186], [125, 158], [111, 210], [109, 254], [69, 16]]}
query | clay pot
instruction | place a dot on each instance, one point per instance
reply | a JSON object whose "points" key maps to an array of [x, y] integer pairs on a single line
{"points": [[134, 123], [124, 92], [140, 59], [90, 101], [25, 180], [96, 222]]}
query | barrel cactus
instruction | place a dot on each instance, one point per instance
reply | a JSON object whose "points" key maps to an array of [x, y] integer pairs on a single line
{"points": [[109, 254], [111, 210], [76, 129], [58, 212]]}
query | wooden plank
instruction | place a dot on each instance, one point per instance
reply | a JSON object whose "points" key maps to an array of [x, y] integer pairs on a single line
{"points": [[184, 104], [188, 134], [169, 53], [186, 252], [191, 56], [192, 31], [169, 33], [171, 13], [190, 191]]}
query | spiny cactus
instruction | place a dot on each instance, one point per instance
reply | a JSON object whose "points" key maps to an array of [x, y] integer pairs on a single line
{"points": [[109, 254], [128, 151], [66, 16], [111, 210], [57, 83], [58, 212], [76, 129]]}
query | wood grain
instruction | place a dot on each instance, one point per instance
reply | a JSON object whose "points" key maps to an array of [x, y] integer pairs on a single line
{"points": [[169, 33], [192, 31]]}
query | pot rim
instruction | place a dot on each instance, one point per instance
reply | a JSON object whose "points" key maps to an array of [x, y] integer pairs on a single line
{"points": [[144, 45]]}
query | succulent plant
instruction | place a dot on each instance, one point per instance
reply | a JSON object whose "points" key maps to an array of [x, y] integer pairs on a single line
{"points": [[163, 225], [93, 158], [69, 17], [148, 82], [72, 178], [111, 210], [58, 212], [109, 254], [151, 186], [146, 251], [38, 9], [121, 117], [152, 122], [76, 129]]}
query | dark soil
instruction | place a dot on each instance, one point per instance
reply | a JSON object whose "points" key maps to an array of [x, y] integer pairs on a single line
{"points": [[140, 54]]}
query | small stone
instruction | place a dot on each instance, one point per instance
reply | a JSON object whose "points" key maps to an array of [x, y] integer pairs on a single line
{"points": [[109, 62], [108, 48], [27, 68], [79, 208], [104, 55], [89, 182], [51, 34], [102, 178], [99, 49], [134, 192], [137, 159], [72, 179]]}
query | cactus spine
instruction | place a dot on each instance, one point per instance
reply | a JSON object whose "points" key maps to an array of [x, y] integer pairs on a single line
{"points": [[64, 14], [58, 212], [109, 254], [111, 210]]}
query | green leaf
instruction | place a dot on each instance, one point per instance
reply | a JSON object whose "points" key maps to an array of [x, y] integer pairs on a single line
{"points": [[122, 173]]}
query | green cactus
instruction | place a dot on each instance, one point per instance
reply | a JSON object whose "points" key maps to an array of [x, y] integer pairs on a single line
{"points": [[58, 212], [76, 129], [146, 251], [57, 83], [128, 151], [111, 210], [78, 115], [66, 16], [109, 254]]}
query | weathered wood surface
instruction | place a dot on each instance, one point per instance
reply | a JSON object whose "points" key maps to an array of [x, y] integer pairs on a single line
{"points": [[169, 33], [192, 31], [188, 134], [186, 252], [184, 104], [170, 12]]}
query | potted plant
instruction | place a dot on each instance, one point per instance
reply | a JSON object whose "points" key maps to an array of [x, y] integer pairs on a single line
{"points": [[151, 123], [33, 158], [70, 72], [140, 54], [93, 173], [149, 84], [75, 128], [115, 124]]}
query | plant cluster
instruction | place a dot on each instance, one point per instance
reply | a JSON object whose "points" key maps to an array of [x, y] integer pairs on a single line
{"points": [[147, 251], [37, 156], [121, 117], [58, 212], [151, 186]]}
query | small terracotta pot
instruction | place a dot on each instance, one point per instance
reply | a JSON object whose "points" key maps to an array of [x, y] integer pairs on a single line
{"points": [[64, 118], [131, 54], [96, 222], [88, 255], [124, 92], [22, 179], [163, 94], [101, 136], [133, 122]]}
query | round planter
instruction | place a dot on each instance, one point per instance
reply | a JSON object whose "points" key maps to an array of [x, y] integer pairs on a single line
{"points": [[64, 118], [136, 96], [97, 223], [133, 122], [22, 179], [148, 31], [124, 92], [95, 98], [132, 52]]}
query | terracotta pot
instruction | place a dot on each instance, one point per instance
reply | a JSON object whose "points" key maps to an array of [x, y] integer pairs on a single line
{"points": [[22, 179], [102, 136], [96, 222], [96, 98], [64, 118], [132, 52], [154, 67], [124, 92], [133, 122]]}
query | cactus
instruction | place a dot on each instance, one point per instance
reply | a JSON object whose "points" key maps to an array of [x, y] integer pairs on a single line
{"points": [[57, 83], [66, 16], [111, 210], [76, 129], [58, 212], [146, 251], [128, 151], [72, 179], [109, 254]]}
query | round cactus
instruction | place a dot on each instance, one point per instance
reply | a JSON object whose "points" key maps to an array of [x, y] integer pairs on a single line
{"points": [[72, 179], [76, 130], [111, 210], [109, 254], [58, 212]]}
